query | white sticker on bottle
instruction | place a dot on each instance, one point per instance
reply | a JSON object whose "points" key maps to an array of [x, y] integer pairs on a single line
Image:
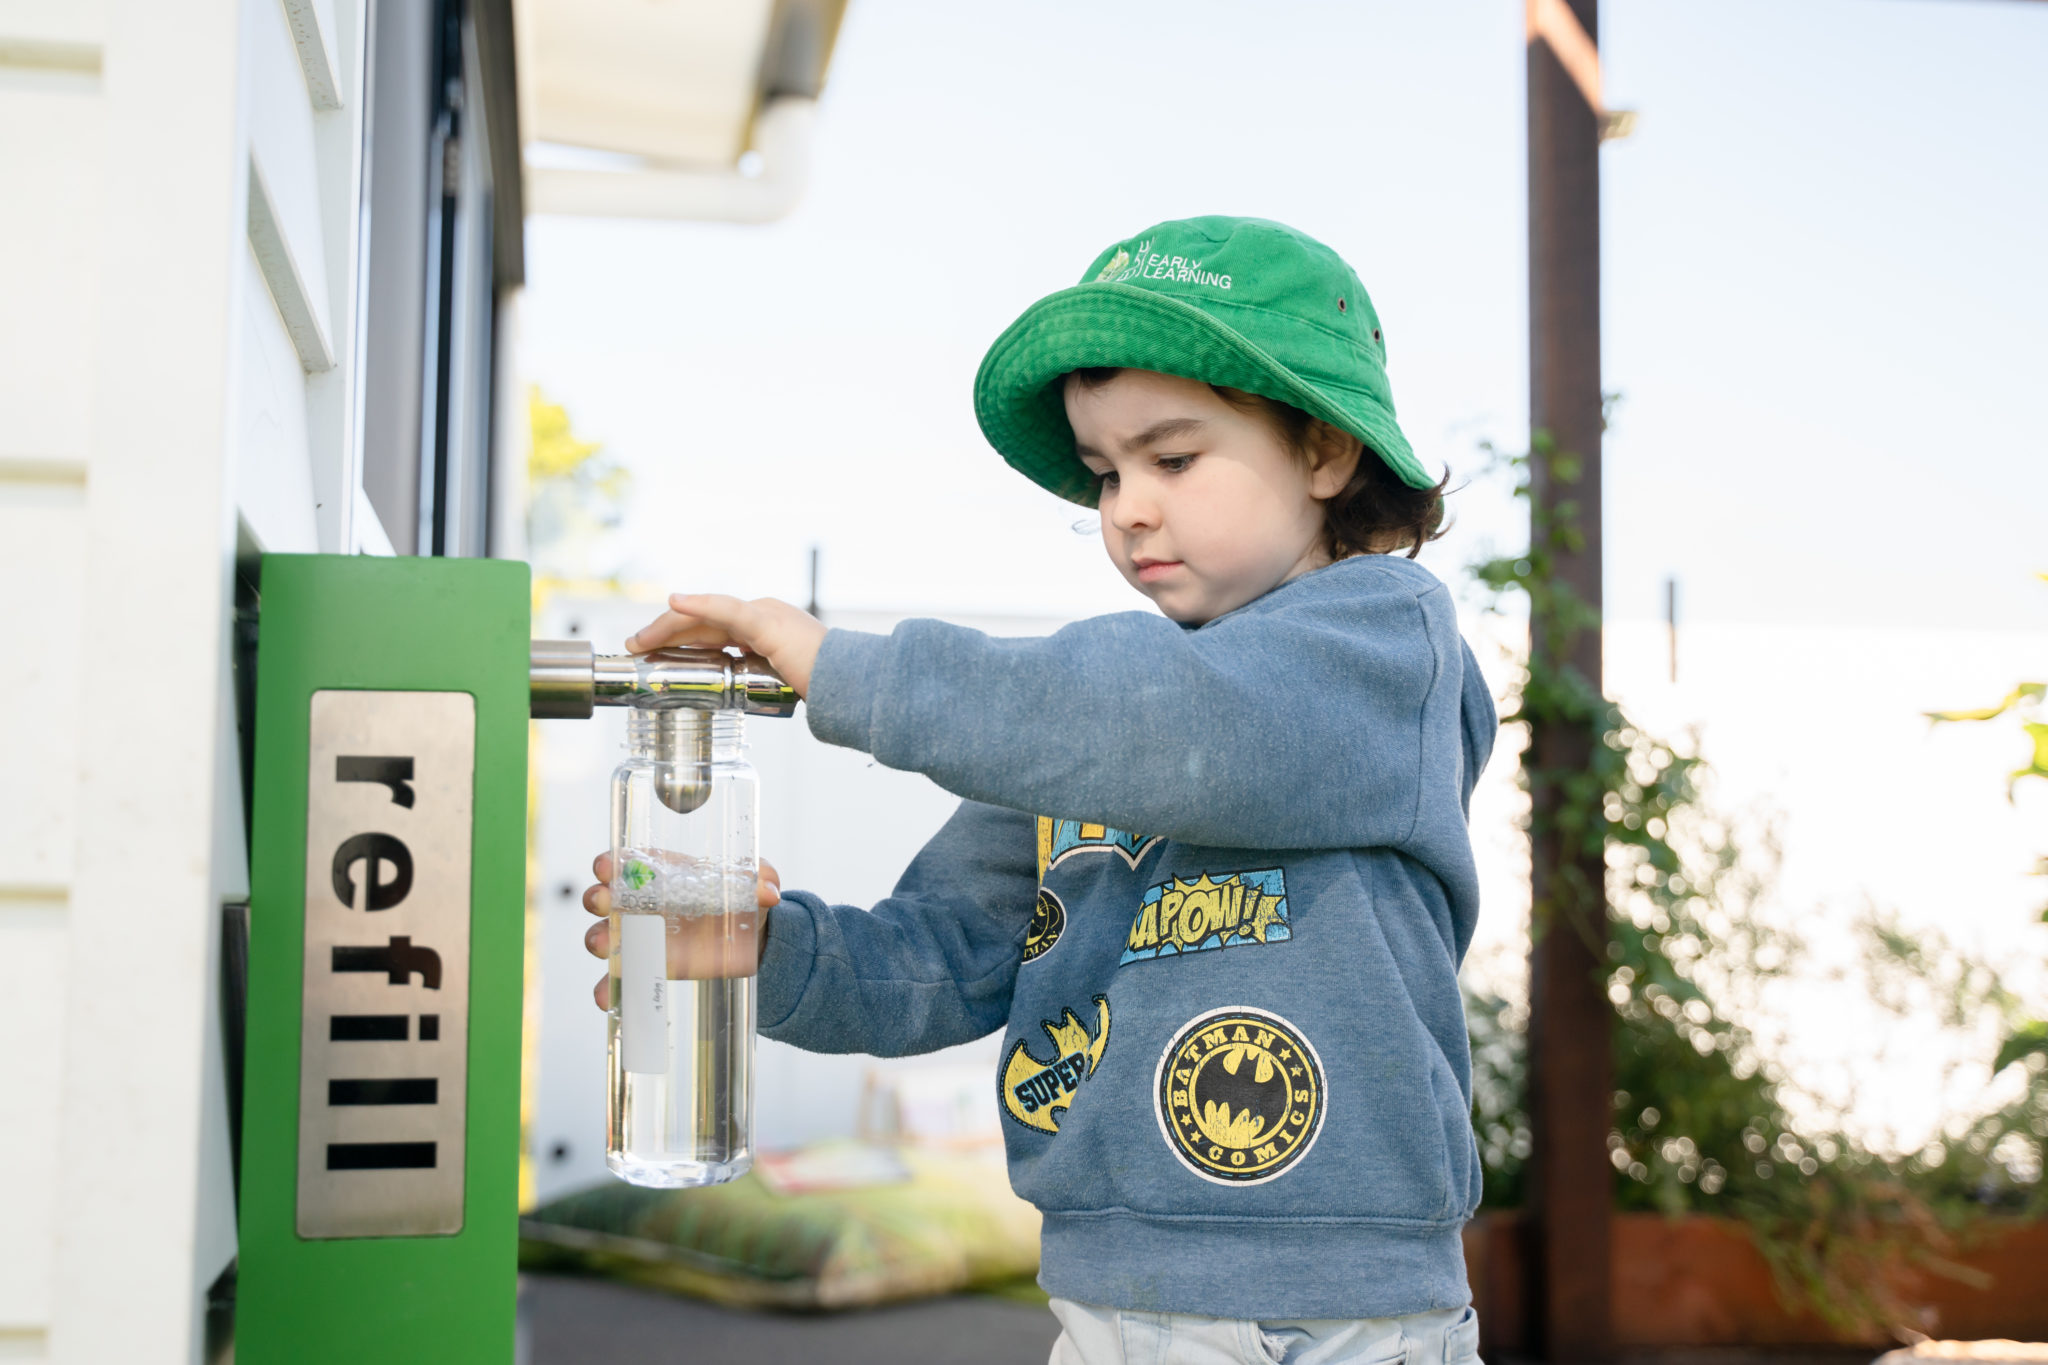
{"points": [[643, 992]]}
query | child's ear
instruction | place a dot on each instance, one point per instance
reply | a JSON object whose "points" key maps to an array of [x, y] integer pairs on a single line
{"points": [[1333, 457]]}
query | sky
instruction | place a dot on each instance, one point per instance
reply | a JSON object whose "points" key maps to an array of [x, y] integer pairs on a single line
{"points": [[1822, 292], [1823, 304]]}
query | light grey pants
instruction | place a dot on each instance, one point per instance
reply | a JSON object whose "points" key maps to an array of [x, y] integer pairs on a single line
{"points": [[1106, 1336]]}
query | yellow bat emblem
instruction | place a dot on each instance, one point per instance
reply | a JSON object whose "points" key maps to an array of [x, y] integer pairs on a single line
{"points": [[1035, 1091]]}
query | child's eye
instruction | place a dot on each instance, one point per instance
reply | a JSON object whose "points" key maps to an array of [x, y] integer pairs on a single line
{"points": [[1174, 464], [1105, 477]]}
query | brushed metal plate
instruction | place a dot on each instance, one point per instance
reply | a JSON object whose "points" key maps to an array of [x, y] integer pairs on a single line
{"points": [[384, 1023]]}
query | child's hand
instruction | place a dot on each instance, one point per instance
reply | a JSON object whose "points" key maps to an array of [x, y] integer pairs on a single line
{"points": [[786, 636], [690, 957]]}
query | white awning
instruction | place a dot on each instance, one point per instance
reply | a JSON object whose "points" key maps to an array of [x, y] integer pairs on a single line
{"points": [[646, 108]]}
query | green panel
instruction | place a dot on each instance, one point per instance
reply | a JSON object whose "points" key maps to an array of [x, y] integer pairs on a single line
{"points": [[456, 625]]}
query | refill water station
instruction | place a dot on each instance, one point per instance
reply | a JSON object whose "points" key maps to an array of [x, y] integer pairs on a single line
{"points": [[380, 1114]]}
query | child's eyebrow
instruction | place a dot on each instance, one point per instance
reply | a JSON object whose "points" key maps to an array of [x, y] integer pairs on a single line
{"points": [[1166, 430]]}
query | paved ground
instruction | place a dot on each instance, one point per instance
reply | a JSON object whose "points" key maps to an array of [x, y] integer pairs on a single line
{"points": [[570, 1321], [1737, 1355], [1753, 1355], [567, 1321]]}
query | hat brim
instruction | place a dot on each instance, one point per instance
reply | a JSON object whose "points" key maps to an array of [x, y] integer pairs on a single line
{"points": [[1023, 412]]}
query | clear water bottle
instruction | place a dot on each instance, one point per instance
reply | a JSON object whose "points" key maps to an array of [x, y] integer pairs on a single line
{"points": [[685, 942]]}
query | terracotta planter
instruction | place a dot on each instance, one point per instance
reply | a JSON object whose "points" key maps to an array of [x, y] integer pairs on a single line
{"points": [[1696, 1281]]}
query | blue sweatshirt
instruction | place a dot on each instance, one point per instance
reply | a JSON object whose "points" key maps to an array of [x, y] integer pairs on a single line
{"points": [[1215, 883]]}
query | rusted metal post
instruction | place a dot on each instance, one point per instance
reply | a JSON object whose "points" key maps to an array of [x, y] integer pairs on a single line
{"points": [[1570, 1023]]}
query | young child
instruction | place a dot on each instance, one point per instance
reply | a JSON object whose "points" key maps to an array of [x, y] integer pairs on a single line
{"points": [[1211, 871]]}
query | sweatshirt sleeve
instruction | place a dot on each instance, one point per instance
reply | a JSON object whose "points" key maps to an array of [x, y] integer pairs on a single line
{"points": [[928, 967], [1313, 719]]}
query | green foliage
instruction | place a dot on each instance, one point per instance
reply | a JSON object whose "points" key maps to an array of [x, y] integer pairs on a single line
{"points": [[575, 497], [2028, 1040], [2027, 703], [1699, 1122]]}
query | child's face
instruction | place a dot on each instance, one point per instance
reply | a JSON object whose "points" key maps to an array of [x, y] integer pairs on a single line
{"points": [[1203, 506]]}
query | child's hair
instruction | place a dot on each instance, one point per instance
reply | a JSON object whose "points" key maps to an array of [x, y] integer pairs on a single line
{"points": [[1374, 512]]}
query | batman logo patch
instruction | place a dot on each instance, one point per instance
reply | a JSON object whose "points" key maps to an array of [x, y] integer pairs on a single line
{"points": [[1048, 922], [1059, 840], [1239, 1095], [1035, 1091]]}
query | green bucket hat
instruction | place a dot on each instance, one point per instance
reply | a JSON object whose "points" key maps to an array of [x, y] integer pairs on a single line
{"points": [[1240, 302]]}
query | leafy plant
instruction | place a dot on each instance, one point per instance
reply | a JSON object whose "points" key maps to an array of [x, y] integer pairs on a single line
{"points": [[2027, 1040], [1700, 1122], [2028, 704]]}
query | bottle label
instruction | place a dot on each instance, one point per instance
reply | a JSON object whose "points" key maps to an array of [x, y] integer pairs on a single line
{"points": [[643, 992]]}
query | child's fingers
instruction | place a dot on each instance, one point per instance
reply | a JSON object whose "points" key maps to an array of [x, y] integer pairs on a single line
{"points": [[676, 628], [741, 621], [687, 957], [654, 634], [701, 637]]}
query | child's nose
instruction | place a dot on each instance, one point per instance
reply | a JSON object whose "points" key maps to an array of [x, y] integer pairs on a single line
{"points": [[1134, 510]]}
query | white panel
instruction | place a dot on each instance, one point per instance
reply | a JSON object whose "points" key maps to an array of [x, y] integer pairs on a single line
{"points": [[511, 437], [68, 21], [214, 1234], [31, 1006], [313, 32], [273, 472], [125, 140], [50, 141], [280, 124], [39, 528], [50, 134], [27, 1344], [53, 68], [331, 397], [168, 239], [299, 299]]}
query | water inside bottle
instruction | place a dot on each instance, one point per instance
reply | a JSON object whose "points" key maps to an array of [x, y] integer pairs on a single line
{"points": [[687, 1121], [682, 1022]]}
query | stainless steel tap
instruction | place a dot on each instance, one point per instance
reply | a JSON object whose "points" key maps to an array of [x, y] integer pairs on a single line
{"points": [[570, 680]]}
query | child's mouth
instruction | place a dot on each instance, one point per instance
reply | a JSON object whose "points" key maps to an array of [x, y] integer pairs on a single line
{"points": [[1152, 570]]}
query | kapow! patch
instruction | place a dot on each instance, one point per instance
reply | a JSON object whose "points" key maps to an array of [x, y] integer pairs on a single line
{"points": [[1035, 1091], [1190, 917], [1239, 1095], [1048, 922], [1059, 840]]}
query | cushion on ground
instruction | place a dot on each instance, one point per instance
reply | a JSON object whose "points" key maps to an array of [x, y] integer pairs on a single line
{"points": [[1998, 1350], [953, 1224]]}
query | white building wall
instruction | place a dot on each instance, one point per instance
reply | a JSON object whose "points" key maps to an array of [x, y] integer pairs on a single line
{"points": [[177, 245], [51, 130]]}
